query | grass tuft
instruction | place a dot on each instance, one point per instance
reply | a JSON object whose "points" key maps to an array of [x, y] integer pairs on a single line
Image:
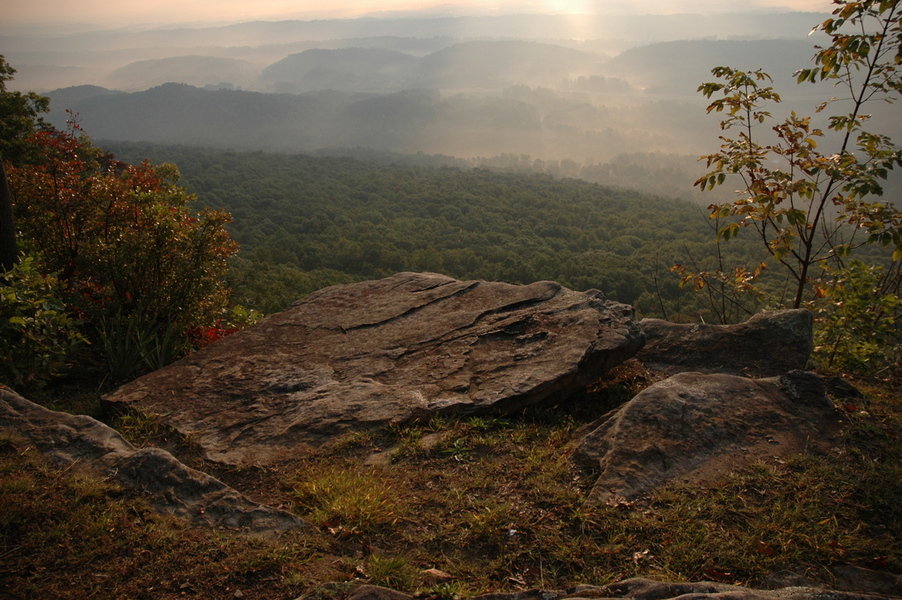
{"points": [[391, 571], [347, 495]]}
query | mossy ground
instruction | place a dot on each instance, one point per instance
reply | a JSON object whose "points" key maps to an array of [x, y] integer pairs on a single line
{"points": [[494, 502]]}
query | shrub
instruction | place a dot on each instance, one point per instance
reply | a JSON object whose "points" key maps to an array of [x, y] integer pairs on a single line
{"points": [[859, 320], [137, 264], [38, 333]]}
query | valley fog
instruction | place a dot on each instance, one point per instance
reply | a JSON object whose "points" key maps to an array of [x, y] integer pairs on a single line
{"points": [[610, 99]]}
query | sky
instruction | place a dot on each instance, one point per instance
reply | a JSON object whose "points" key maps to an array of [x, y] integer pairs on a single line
{"points": [[159, 12]]}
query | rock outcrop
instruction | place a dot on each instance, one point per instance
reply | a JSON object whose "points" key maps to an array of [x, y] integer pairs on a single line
{"points": [[639, 589], [363, 355], [766, 345], [169, 486], [696, 426]]}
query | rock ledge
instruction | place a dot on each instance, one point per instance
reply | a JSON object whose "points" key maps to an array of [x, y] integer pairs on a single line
{"points": [[359, 356], [170, 486]]}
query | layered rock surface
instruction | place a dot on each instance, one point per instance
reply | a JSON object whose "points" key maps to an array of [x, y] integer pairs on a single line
{"points": [[766, 345], [696, 426], [640, 588], [358, 356], [169, 486]]}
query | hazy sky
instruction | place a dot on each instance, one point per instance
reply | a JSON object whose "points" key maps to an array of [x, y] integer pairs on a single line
{"points": [[145, 12]]}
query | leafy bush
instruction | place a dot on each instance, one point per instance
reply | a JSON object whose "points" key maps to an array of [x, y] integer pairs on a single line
{"points": [[137, 264], [859, 320], [38, 333]]}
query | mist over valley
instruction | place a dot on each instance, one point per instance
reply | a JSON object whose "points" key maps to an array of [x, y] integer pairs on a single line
{"points": [[571, 95]]}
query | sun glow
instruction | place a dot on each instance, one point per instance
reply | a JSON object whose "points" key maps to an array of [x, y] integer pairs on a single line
{"points": [[133, 12]]}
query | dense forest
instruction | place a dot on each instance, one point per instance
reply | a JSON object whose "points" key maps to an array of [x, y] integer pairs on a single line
{"points": [[308, 221]]}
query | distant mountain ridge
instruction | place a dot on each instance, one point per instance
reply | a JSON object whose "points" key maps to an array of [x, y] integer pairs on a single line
{"points": [[467, 65], [347, 69], [679, 66], [663, 68], [520, 119], [471, 99], [192, 69], [49, 60], [642, 28]]}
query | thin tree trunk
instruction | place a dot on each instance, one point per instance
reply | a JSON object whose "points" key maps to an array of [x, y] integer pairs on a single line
{"points": [[9, 252]]}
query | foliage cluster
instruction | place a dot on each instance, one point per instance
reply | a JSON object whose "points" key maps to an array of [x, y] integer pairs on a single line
{"points": [[136, 263], [20, 116], [39, 334], [808, 188], [859, 322]]}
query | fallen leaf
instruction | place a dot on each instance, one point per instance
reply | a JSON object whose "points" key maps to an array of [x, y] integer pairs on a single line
{"points": [[765, 548], [716, 574], [436, 575], [618, 501]]}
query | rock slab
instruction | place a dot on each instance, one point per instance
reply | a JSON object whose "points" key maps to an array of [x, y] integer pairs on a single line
{"points": [[170, 486], [696, 426], [766, 345], [358, 356], [640, 588]]}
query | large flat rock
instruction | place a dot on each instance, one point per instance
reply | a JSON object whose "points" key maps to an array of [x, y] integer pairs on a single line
{"points": [[361, 355], [697, 427]]}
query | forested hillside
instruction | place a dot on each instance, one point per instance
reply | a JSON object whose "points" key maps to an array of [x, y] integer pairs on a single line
{"points": [[541, 122], [304, 222]]}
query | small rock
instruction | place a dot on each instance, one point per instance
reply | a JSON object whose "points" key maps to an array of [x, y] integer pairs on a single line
{"points": [[430, 441], [381, 458], [433, 576], [376, 592], [858, 579]]}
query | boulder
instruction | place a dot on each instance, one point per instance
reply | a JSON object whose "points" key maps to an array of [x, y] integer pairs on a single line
{"points": [[848, 578], [169, 486], [697, 426], [376, 592], [767, 345], [362, 355], [640, 588]]}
